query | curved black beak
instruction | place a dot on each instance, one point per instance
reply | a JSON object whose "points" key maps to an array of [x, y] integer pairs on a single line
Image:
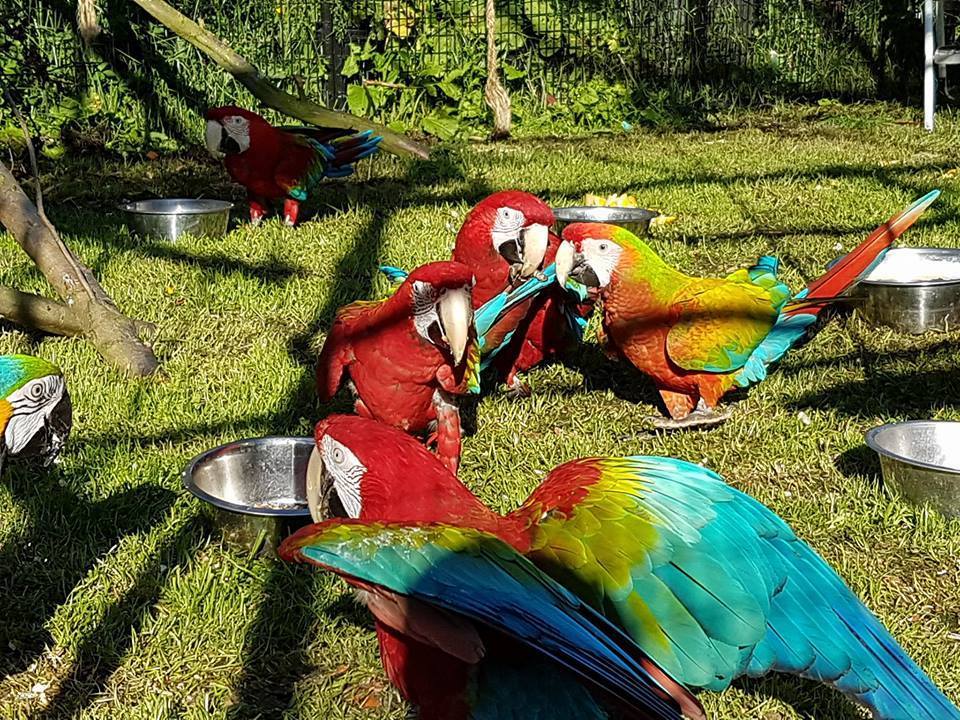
{"points": [[572, 264], [57, 429], [228, 146]]}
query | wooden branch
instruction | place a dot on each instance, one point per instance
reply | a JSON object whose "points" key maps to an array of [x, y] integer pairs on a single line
{"points": [[33, 311], [495, 94], [114, 335], [269, 94]]}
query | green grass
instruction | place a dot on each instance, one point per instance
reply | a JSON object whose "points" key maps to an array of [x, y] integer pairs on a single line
{"points": [[118, 603]]}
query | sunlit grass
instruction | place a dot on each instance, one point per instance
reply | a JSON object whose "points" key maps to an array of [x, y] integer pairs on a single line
{"points": [[117, 603]]}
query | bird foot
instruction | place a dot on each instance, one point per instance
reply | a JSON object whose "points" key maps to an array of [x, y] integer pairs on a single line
{"points": [[516, 388], [702, 417]]}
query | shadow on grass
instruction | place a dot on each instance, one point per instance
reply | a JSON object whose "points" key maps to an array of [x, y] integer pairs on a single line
{"points": [[862, 463], [810, 699], [906, 395], [41, 566], [605, 373], [103, 649], [274, 649]]}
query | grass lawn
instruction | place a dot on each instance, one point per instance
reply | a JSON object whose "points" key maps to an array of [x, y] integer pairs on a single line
{"points": [[117, 603]]}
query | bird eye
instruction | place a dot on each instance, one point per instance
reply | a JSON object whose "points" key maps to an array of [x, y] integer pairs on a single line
{"points": [[337, 455], [36, 391], [603, 247]]}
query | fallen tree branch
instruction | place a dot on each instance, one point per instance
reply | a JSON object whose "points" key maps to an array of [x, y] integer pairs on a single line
{"points": [[269, 94], [33, 311], [114, 335]]}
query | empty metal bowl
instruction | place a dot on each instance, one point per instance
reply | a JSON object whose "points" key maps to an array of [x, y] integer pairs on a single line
{"points": [[168, 219], [903, 293], [254, 490], [920, 460], [636, 220]]}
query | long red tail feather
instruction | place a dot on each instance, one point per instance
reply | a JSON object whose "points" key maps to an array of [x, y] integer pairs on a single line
{"points": [[845, 273]]}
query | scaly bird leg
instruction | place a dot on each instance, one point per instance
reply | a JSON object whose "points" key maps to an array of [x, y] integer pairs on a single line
{"points": [[291, 211], [701, 417], [517, 388], [448, 430], [258, 209]]}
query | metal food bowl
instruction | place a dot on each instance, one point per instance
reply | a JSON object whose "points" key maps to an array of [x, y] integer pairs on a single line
{"points": [[168, 219], [636, 220], [902, 293], [921, 461], [254, 490]]}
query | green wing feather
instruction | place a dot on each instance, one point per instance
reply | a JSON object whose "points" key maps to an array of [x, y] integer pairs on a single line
{"points": [[720, 323], [713, 585], [633, 546], [480, 577]]}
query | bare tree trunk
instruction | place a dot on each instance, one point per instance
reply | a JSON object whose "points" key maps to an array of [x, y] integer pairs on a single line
{"points": [[87, 20], [270, 95], [494, 93], [86, 309]]}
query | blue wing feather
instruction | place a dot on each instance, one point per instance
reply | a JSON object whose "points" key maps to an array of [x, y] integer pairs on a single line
{"points": [[478, 576], [726, 562]]}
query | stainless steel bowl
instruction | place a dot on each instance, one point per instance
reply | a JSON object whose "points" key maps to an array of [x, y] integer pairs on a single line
{"points": [[912, 305], [170, 218], [254, 490], [636, 220], [920, 460]]}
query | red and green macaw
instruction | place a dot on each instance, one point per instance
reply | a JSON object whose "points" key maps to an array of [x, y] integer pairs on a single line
{"points": [[621, 579], [698, 338], [522, 319], [35, 409], [275, 163], [408, 357]]}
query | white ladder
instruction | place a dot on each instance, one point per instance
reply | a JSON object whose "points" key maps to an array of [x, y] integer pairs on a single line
{"points": [[936, 52]]}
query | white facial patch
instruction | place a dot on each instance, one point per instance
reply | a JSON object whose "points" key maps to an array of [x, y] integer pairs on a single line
{"points": [[238, 128], [32, 405], [424, 308], [603, 256], [347, 472], [507, 226]]}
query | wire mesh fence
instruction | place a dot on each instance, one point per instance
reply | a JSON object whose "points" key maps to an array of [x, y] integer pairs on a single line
{"points": [[402, 59], [855, 47]]}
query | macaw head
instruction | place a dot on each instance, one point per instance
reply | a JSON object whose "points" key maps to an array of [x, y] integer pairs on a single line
{"points": [[592, 253], [35, 410], [231, 130], [439, 298], [377, 472], [513, 225]]}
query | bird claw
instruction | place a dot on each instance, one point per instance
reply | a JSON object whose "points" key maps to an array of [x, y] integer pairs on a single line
{"points": [[702, 417], [516, 388]]}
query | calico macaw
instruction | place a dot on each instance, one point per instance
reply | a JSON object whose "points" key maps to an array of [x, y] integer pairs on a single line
{"points": [[553, 326], [274, 163], [408, 357], [35, 409], [705, 584], [698, 338]]}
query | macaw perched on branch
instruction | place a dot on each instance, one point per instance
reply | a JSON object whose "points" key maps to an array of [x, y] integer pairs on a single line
{"points": [[637, 576], [700, 337], [274, 163], [409, 356], [35, 409]]}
